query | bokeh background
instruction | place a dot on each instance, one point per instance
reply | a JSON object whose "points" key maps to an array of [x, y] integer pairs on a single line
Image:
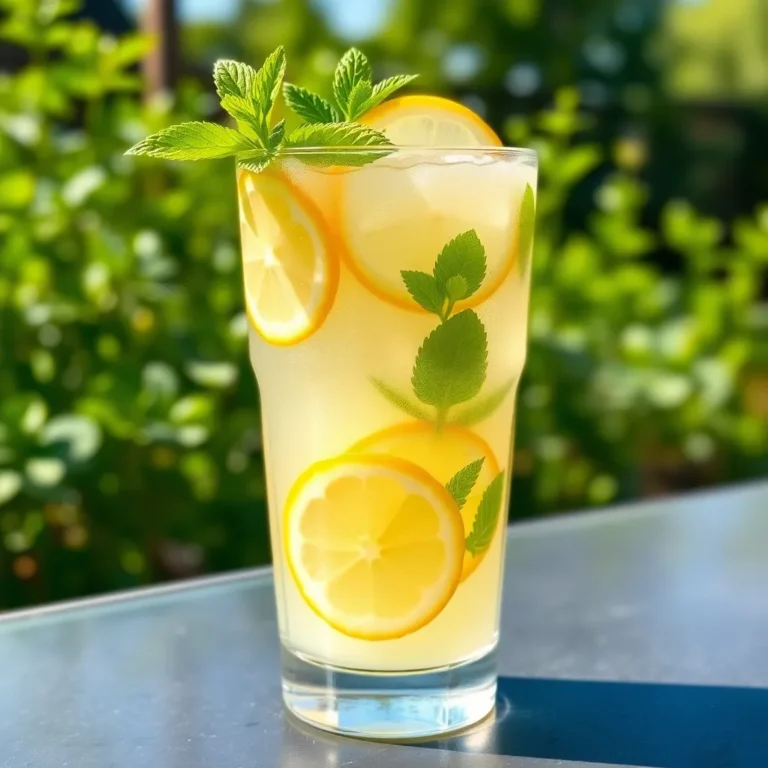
{"points": [[130, 448]]}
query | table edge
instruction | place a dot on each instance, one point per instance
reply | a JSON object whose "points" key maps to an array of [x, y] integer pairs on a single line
{"points": [[614, 514]]}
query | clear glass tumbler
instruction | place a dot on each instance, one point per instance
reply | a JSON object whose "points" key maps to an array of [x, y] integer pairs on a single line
{"points": [[387, 292]]}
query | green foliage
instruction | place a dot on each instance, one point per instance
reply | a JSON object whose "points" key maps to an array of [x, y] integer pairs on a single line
{"points": [[130, 446], [129, 427]]}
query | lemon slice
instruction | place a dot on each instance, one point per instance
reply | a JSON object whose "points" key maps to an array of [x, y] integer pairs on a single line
{"points": [[399, 212], [374, 543], [442, 454], [430, 121], [290, 272]]}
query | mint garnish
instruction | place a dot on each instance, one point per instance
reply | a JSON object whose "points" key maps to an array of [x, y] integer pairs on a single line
{"points": [[462, 483], [401, 401], [193, 141], [452, 362], [526, 221], [249, 96], [309, 106], [484, 526], [424, 290], [483, 407], [463, 257]]}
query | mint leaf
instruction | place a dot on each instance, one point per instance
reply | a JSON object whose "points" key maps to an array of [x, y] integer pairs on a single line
{"points": [[233, 78], [248, 122], [462, 483], [268, 82], [483, 407], [456, 288], [257, 163], [451, 365], [308, 105], [276, 135], [386, 88], [401, 401], [352, 69], [339, 135], [358, 100], [487, 517], [464, 256], [423, 289], [193, 141], [525, 226]]}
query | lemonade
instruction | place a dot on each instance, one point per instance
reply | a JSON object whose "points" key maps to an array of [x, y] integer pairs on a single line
{"points": [[373, 569], [386, 265]]}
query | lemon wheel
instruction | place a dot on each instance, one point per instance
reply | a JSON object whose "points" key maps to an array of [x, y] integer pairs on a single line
{"points": [[374, 543], [441, 454], [413, 206], [430, 121], [290, 270]]}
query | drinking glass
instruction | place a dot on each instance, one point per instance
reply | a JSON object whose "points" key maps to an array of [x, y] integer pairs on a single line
{"points": [[387, 292]]}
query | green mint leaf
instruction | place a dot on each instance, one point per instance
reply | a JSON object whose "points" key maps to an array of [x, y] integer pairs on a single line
{"points": [[451, 364], [339, 135], [480, 409], [248, 122], [352, 68], [233, 78], [256, 162], [525, 226], [462, 483], [386, 88], [464, 256], [358, 99], [423, 289], [193, 141], [401, 401], [277, 135], [487, 517], [308, 105], [456, 288], [267, 83]]}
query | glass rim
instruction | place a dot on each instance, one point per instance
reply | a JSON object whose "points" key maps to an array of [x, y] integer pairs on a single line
{"points": [[488, 149]]}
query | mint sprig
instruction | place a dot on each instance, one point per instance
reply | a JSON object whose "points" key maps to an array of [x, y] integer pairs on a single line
{"points": [[462, 483], [486, 518], [353, 91], [249, 96], [451, 365], [526, 221]]}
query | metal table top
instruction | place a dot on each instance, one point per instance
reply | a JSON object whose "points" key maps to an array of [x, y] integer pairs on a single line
{"points": [[633, 636]]}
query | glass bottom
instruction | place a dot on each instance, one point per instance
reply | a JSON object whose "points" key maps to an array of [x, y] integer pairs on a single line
{"points": [[389, 705]]}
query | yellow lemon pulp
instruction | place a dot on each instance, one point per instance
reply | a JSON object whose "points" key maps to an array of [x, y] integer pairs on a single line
{"points": [[290, 272], [375, 544], [428, 200], [441, 454]]}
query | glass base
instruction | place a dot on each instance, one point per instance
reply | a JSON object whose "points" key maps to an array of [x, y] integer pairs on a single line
{"points": [[389, 705]]}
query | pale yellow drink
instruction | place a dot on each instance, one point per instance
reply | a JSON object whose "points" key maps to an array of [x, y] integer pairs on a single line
{"points": [[361, 585]]}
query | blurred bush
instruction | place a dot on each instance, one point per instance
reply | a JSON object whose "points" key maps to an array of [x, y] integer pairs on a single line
{"points": [[129, 430]]}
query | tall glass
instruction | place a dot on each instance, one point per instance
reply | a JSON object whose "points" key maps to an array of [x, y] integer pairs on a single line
{"points": [[388, 298]]}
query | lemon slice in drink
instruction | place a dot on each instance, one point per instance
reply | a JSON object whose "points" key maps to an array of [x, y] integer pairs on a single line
{"points": [[399, 212], [374, 543], [430, 121], [290, 271], [442, 454]]}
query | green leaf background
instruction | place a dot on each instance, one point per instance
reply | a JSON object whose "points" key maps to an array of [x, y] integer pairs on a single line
{"points": [[116, 274]]}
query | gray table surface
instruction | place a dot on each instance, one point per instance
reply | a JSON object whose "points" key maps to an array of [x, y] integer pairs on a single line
{"points": [[635, 636]]}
